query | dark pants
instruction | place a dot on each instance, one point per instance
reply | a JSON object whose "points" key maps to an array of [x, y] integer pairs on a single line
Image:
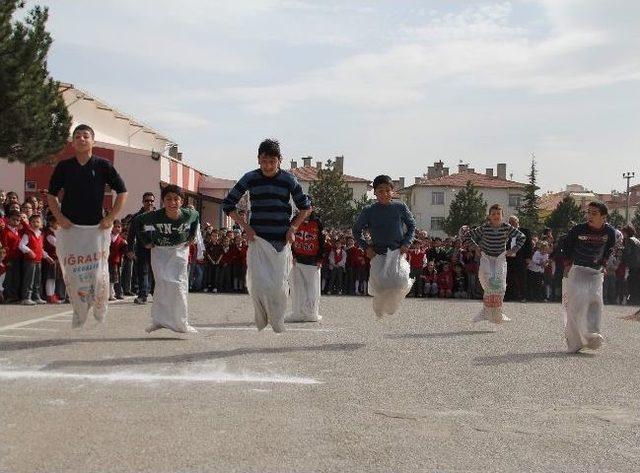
{"points": [[144, 274], [12, 279], [535, 286], [516, 280], [350, 280], [114, 278], [337, 277], [633, 286], [31, 280], [210, 275], [239, 272], [225, 278], [127, 273], [418, 284]]}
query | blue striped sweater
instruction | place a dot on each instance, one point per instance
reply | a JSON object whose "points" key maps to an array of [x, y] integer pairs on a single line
{"points": [[270, 202]]}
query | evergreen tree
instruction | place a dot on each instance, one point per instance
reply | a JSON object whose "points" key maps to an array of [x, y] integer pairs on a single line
{"points": [[468, 208], [616, 219], [332, 198], [566, 211], [529, 211], [34, 122], [635, 221]]}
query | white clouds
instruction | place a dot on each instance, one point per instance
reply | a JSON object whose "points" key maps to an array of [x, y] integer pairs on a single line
{"points": [[478, 47]]}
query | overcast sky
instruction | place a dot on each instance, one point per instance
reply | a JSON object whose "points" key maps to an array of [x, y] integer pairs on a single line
{"points": [[392, 86]]}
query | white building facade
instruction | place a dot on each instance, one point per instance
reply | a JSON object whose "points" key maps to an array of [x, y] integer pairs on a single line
{"points": [[430, 197]]}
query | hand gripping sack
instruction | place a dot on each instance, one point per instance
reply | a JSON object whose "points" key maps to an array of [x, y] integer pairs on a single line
{"points": [[305, 293], [170, 307], [268, 282], [582, 290], [389, 282], [493, 278], [83, 252]]}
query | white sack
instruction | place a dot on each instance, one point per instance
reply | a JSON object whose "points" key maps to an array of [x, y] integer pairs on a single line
{"points": [[493, 279], [83, 252], [305, 293], [389, 282], [170, 308], [268, 282], [583, 305]]}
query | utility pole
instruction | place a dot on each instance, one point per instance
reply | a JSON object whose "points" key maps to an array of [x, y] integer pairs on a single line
{"points": [[628, 176]]}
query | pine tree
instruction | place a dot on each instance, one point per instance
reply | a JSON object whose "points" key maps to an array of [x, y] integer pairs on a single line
{"points": [[332, 198], [616, 219], [635, 221], [468, 208], [34, 122], [566, 211], [529, 211]]}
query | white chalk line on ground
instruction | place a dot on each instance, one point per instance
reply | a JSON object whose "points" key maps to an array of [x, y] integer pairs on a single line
{"points": [[137, 377], [35, 321], [35, 329]]}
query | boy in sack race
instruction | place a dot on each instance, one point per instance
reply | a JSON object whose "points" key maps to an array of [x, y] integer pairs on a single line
{"points": [[392, 227], [168, 232], [492, 238]]}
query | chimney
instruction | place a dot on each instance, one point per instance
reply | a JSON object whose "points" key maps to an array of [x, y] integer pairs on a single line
{"points": [[179, 156], [471, 170], [339, 165], [401, 182], [445, 172], [294, 164], [307, 161], [417, 180], [501, 170], [318, 164], [462, 167], [489, 172], [173, 151]]}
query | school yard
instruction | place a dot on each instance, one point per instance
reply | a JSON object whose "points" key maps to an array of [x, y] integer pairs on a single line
{"points": [[425, 390]]}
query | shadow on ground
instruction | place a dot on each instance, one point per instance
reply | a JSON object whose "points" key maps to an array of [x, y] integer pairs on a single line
{"points": [[461, 333], [196, 357], [508, 358]]}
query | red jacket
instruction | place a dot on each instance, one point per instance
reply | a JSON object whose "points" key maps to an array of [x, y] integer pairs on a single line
{"points": [[240, 254], [49, 248], [355, 257], [10, 239], [429, 277], [35, 244], [416, 258], [117, 249], [228, 257], [445, 281]]}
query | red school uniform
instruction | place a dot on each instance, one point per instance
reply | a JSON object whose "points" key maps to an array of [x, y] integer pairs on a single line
{"points": [[35, 244], [117, 249], [10, 239], [416, 258], [355, 257], [445, 281]]}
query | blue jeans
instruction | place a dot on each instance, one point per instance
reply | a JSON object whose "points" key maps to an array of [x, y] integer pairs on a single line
{"points": [[143, 273]]}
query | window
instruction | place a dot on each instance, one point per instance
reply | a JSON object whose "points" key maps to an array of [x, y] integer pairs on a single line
{"points": [[437, 223], [514, 200], [437, 198]]}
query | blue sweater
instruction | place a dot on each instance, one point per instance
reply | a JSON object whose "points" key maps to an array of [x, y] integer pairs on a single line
{"points": [[386, 224], [269, 197]]}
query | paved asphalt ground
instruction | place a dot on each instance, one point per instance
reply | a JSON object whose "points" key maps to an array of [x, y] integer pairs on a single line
{"points": [[425, 390]]}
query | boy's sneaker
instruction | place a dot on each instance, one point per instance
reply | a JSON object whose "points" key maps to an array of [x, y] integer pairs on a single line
{"points": [[54, 299], [39, 300], [214, 290], [594, 341], [28, 302], [140, 300], [111, 299]]}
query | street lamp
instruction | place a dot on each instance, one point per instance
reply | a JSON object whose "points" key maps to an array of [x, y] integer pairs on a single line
{"points": [[628, 176]]}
